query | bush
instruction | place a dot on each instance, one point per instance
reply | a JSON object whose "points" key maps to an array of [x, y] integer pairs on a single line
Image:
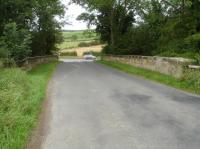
{"points": [[74, 37], [93, 53], [8, 63], [192, 78], [69, 53], [175, 53], [4, 53], [116, 51], [197, 58], [83, 44], [108, 50], [15, 43], [88, 44], [4, 60]]}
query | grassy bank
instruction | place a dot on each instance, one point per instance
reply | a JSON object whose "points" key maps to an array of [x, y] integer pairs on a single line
{"points": [[21, 95], [189, 82]]}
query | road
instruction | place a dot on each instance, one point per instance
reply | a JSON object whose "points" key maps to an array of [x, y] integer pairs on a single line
{"points": [[96, 107]]}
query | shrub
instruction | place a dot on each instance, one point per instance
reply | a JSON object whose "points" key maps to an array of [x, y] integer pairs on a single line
{"points": [[4, 53], [15, 43], [88, 44], [116, 51], [68, 53], [1, 63], [176, 53], [74, 37], [4, 60], [192, 78], [93, 53], [83, 44], [197, 58], [108, 50]]}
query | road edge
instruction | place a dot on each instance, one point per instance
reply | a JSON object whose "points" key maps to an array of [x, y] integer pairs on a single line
{"points": [[39, 134]]}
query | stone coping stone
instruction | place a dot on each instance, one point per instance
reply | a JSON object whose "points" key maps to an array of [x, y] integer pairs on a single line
{"points": [[194, 67]]}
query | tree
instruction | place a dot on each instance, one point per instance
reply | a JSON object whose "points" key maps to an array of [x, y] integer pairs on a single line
{"points": [[33, 17], [46, 30], [113, 18], [147, 27], [15, 43]]}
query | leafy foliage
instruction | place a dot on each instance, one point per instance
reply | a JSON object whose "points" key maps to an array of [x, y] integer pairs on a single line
{"points": [[147, 27], [93, 53], [88, 44], [29, 27], [69, 53], [15, 43]]}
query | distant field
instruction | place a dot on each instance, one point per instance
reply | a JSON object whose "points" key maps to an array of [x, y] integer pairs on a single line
{"points": [[73, 39], [81, 51]]}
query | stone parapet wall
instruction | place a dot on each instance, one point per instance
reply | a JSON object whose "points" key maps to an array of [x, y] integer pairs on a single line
{"points": [[31, 62], [165, 65]]}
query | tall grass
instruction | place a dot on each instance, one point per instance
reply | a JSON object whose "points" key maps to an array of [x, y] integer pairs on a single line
{"points": [[21, 95]]}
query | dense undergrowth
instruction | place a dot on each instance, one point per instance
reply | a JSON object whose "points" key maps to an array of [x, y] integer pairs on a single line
{"points": [[21, 95]]}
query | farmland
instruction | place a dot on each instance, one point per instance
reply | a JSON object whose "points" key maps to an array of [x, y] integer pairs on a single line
{"points": [[81, 50], [72, 39], [76, 43]]}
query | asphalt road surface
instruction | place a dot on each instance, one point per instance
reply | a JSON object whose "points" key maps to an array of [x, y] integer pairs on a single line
{"points": [[93, 106]]}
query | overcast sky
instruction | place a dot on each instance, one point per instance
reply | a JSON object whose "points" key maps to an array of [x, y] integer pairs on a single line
{"points": [[71, 13]]}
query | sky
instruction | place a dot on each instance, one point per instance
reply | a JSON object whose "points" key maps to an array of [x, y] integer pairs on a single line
{"points": [[71, 14]]}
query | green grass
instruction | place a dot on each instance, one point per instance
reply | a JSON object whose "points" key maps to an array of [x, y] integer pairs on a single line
{"points": [[189, 82], [21, 96], [81, 37]]}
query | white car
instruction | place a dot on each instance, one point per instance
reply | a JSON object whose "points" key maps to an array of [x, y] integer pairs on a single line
{"points": [[90, 57]]}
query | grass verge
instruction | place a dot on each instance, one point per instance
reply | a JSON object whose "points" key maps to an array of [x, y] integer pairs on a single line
{"points": [[189, 82], [21, 96]]}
